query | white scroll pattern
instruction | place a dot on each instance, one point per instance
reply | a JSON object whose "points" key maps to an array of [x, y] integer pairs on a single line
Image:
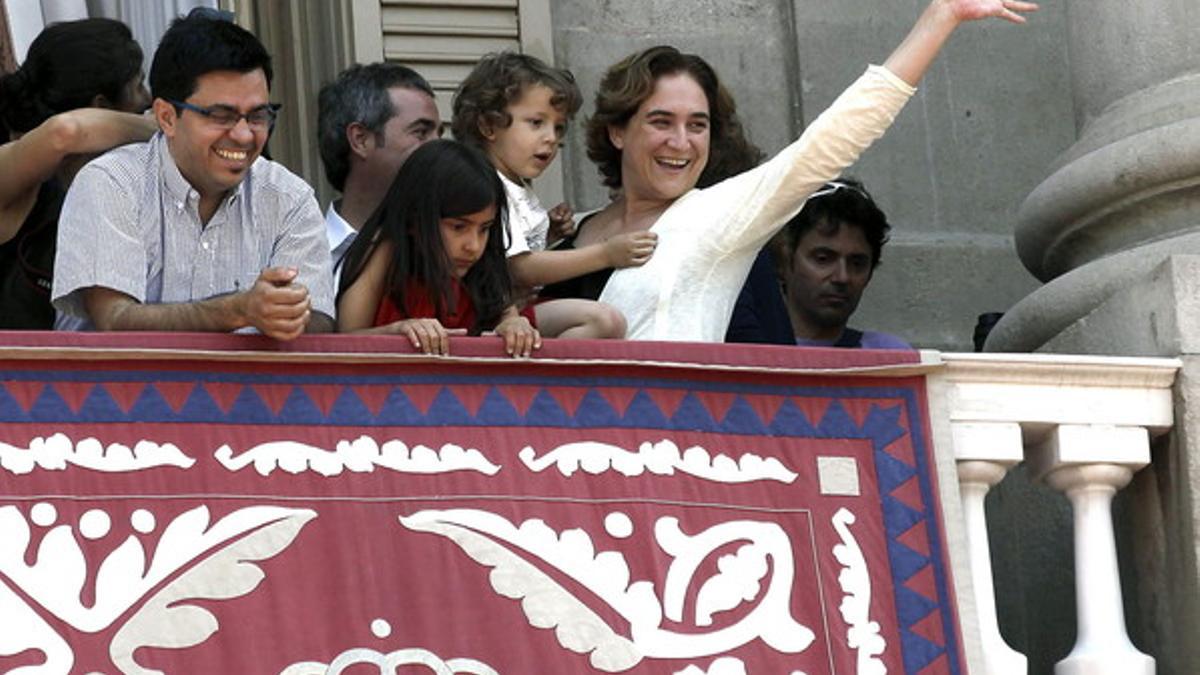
{"points": [[362, 455], [492, 541], [57, 452], [662, 458], [863, 634], [193, 560]]}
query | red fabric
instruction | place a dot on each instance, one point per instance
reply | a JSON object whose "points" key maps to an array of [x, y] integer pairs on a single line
{"points": [[420, 300], [421, 304], [221, 511], [585, 354]]}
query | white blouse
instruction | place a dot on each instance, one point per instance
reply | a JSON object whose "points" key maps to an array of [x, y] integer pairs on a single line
{"points": [[707, 239]]}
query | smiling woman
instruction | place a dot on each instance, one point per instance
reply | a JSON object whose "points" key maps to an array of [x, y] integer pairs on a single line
{"points": [[662, 117]]}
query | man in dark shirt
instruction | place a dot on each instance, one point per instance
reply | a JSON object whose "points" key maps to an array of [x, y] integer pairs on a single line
{"points": [[826, 256]]}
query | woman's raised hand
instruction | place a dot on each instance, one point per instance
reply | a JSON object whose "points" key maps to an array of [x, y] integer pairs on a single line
{"points": [[973, 10], [911, 59]]}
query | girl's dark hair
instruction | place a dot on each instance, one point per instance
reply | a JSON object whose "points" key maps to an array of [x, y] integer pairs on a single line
{"points": [[67, 66], [498, 81], [632, 80], [441, 179]]}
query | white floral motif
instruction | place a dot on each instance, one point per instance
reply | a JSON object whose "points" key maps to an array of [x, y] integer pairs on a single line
{"points": [[662, 458], [361, 455], [863, 634], [24, 629], [389, 663], [726, 665], [191, 561], [57, 452], [484, 537]]}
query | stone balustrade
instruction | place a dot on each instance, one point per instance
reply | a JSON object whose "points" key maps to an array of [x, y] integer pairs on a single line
{"points": [[1083, 426]]}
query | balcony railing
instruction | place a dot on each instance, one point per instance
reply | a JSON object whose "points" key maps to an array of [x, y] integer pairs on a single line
{"points": [[1083, 426]]}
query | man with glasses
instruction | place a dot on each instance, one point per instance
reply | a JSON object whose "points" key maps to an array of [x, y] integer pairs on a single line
{"points": [[194, 230]]}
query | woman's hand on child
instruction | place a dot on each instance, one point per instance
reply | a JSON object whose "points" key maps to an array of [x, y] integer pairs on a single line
{"points": [[631, 249], [520, 337], [524, 296], [426, 335], [562, 222]]}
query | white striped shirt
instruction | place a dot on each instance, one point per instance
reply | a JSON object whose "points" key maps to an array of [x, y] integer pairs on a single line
{"points": [[131, 223]]}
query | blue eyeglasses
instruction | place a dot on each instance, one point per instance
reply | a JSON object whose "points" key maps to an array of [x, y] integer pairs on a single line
{"points": [[261, 118]]}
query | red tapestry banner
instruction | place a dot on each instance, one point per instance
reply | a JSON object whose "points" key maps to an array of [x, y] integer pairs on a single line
{"points": [[221, 504]]}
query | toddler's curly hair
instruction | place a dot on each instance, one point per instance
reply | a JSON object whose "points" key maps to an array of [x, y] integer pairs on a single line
{"points": [[497, 82]]}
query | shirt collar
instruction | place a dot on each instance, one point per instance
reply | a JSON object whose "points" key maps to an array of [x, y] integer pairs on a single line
{"points": [[336, 228], [177, 186], [513, 185]]}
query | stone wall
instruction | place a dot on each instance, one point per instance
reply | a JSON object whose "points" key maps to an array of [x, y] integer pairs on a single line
{"points": [[990, 118]]}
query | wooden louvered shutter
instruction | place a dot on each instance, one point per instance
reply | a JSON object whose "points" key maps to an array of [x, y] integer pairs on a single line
{"points": [[443, 39]]}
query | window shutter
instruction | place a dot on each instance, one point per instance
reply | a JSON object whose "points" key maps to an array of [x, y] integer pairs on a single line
{"points": [[443, 39]]}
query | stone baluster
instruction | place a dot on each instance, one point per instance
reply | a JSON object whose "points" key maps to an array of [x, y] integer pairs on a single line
{"points": [[984, 453], [1090, 462]]}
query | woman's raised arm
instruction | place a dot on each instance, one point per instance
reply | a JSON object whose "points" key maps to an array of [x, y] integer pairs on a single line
{"points": [[911, 59], [34, 157]]}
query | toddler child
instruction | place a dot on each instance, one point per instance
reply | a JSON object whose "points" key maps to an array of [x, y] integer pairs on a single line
{"points": [[515, 108]]}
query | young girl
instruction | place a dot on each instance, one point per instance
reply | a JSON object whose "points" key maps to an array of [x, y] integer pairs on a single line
{"points": [[515, 108], [430, 262]]}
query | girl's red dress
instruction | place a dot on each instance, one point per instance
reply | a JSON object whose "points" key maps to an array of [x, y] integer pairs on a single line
{"points": [[420, 304]]}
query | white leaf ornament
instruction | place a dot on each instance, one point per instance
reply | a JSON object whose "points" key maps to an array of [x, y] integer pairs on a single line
{"points": [[166, 620]]}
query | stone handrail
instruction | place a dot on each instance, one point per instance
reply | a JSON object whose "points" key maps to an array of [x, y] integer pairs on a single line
{"points": [[1083, 426]]}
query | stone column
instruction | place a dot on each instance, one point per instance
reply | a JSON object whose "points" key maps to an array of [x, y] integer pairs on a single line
{"points": [[1127, 193], [984, 453], [1105, 230], [1090, 463]]}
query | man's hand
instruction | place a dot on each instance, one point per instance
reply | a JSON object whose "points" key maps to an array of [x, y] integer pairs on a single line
{"points": [[276, 305], [631, 249]]}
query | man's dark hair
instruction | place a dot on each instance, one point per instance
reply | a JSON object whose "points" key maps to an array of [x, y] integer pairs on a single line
{"points": [[68, 64], [359, 94], [199, 44], [843, 202]]}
